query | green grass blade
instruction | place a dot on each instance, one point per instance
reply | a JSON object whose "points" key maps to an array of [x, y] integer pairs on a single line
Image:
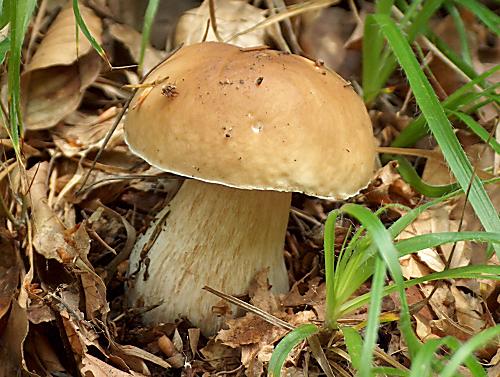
{"points": [[466, 350], [424, 241], [464, 66], [354, 344], [464, 95], [146, 29], [4, 13], [422, 363], [489, 18], [419, 25], [372, 327], [373, 44], [440, 126], [388, 252], [20, 12], [86, 32], [387, 371], [462, 33], [478, 130], [329, 249], [467, 272], [381, 65], [286, 345], [4, 48], [410, 176]]}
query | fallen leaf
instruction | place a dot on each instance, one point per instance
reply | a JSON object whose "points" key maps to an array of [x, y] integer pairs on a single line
{"points": [[94, 367], [59, 46], [220, 356], [232, 16], [38, 344], [9, 272], [68, 246], [59, 72], [79, 135], [260, 293], [469, 310], [324, 37], [387, 186], [12, 340]]}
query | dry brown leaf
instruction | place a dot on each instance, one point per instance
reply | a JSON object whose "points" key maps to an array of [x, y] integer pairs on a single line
{"points": [[220, 356], [260, 294], [59, 46], [132, 352], [194, 337], [412, 267], [469, 310], [9, 272], [54, 81], [387, 186], [256, 337], [131, 39], [68, 246], [94, 367], [39, 344], [12, 338], [51, 94], [446, 29], [248, 330], [436, 172], [436, 219], [324, 37], [442, 301], [79, 136], [232, 16]]}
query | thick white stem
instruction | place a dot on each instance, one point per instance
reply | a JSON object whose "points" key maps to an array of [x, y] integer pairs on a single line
{"points": [[212, 235]]}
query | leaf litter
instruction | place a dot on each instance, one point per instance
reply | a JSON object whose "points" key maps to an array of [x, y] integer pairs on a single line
{"points": [[63, 267]]}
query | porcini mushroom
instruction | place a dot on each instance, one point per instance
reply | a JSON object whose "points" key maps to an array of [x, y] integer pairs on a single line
{"points": [[248, 127]]}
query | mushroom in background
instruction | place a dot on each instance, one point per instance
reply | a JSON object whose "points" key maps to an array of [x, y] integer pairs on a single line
{"points": [[248, 127]]}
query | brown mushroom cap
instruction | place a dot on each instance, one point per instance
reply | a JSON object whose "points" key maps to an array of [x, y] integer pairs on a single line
{"points": [[254, 119]]}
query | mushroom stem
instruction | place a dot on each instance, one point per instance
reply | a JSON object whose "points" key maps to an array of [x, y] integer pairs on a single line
{"points": [[210, 235]]}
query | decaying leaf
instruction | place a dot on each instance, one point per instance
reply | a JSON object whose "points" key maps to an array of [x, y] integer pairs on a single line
{"points": [[60, 70], [232, 16]]}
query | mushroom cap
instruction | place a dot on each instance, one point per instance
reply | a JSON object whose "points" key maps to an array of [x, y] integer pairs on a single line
{"points": [[253, 119]]}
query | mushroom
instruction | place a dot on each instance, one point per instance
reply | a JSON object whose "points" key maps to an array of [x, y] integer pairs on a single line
{"points": [[248, 127]]}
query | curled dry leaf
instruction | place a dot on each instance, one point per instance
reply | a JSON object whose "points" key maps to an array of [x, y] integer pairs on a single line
{"points": [[61, 69], [232, 16]]}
